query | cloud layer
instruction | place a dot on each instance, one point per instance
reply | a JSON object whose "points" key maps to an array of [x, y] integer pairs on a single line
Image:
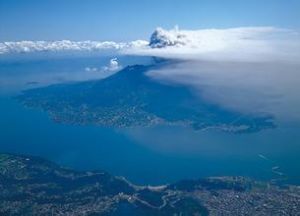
{"points": [[250, 88], [233, 44], [242, 44], [66, 45]]}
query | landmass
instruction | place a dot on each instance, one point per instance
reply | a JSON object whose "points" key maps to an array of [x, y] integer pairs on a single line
{"points": [[130, 98], [34, 186]]}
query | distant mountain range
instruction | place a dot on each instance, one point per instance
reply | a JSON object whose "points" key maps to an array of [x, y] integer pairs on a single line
{"points": [[34, 186], [130, 98]]}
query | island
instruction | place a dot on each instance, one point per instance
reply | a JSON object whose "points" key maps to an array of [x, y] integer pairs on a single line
{"points": [[131, 98]]}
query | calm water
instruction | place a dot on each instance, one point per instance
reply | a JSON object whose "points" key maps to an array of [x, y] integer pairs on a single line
{"points": [[144, 155]]}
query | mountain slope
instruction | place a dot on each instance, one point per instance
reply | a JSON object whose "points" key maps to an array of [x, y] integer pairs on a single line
{"points": [[131, 98]]}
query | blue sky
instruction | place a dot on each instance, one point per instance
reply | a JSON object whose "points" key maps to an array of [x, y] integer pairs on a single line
{"points": [[121, 20]]}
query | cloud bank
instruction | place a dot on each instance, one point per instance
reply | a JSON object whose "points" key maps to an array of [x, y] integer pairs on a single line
{"points": [[246, 87], [232, 44], [66, 45]]}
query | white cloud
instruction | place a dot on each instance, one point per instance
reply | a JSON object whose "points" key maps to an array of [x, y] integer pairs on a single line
{"points": [[233, 44], [247, 87], [251, 70], [113, 65], [66, 45]]}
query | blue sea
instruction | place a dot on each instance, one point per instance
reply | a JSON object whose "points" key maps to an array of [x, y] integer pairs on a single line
{"points": [[154, 156]]}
